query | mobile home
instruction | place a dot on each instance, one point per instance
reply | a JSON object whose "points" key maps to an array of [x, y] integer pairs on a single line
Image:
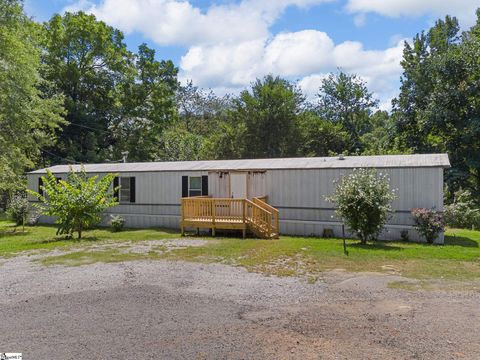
{"points": [[288, 195]]}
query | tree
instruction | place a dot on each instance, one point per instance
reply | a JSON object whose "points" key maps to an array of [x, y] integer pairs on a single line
{"points": [[200, 109], [381, 139], [345, 99], [76, 203], [363, 199], [148, 107], [18, 208], [462, 212], [226, 142], [28, 116], [181, 145], [414, 94], [438, 109], [268, 114], [320, 137], [87, 61]]}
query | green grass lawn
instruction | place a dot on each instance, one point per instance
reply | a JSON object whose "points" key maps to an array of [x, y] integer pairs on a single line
{"points": [[14, 240], [458, 259]]}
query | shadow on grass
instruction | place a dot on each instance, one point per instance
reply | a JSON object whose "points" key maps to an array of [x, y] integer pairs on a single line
{"points": [[460, 241], [133, 230], [221, 234], [384, 246], [10, 233], [72, 240]]}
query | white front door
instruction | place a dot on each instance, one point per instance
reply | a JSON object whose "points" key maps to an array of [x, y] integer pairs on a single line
{"points": [[238, 185]]}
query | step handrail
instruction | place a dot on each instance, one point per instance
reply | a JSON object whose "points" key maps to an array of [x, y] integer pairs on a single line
{"points": [[265, 205], [258, 220], [257, 206], [274, 211]]}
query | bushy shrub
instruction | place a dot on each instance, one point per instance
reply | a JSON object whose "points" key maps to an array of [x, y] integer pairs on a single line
{"points": [[17, 209], [363, 199], [429, 223], [463, 212], [117, 222]]}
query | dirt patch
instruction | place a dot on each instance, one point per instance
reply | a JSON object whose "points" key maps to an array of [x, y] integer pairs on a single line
{"points": [[177, 310]]}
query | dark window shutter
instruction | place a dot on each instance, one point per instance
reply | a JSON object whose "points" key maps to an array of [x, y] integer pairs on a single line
{"points": [[184, 186], [40, 184], [115, 188], [205, 185], [132, 189]]}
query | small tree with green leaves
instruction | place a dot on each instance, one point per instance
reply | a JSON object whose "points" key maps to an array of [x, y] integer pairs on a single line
{"points": [[17, 209], [78, 202], [363, 199]]}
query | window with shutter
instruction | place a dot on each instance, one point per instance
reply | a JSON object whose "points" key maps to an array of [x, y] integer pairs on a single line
{"points": [[126, 191]]}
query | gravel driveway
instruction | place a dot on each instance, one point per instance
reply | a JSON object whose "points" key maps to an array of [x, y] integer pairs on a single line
{"points": [[177, 310]]}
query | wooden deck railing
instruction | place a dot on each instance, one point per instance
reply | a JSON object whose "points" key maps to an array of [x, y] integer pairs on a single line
{"points": [[275, 221], [226, 213]]}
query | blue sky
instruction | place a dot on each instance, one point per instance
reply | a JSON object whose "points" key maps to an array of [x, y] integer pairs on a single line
{"points": [[225, 44]]}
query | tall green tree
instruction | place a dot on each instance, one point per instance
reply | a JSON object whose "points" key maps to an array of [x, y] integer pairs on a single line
{"points": [[438, 108], [28, 116], [320, 137], [268, 114], [87, 61], [199, 109], [346, 100], [381, 139], [148, 107]]}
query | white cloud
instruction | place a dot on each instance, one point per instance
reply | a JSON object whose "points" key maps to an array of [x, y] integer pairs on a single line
{"points": [[305, 55], [230, 45], [463, 9], [179, 22]]}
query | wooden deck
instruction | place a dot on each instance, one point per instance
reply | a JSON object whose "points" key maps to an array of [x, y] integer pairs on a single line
{"points": [[224, 213]]}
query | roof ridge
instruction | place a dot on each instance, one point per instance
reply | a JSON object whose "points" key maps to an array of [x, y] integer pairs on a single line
{"points": [[349, 161]]}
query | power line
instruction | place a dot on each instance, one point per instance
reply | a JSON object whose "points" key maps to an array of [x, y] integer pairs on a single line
{"points": [[76, 162], [87, 127], [58, 156]]}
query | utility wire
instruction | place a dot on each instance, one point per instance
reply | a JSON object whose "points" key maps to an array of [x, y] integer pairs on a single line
{"points": [[76, 162], [58, 156], [87, 127]]}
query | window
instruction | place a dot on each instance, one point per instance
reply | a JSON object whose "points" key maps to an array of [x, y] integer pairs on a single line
{"points": [[194, 186], [40, 184], [126, 189]]}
